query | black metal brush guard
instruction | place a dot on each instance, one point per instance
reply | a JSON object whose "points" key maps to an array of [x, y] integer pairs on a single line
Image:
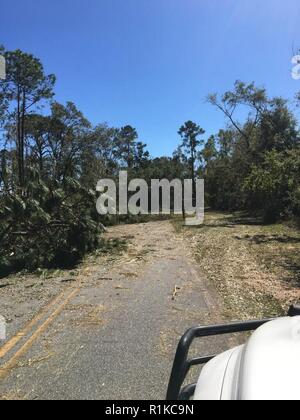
{"points": [[182, 364]]}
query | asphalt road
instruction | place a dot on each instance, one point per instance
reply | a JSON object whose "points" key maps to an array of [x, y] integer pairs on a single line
{"points": [[112, 333]]}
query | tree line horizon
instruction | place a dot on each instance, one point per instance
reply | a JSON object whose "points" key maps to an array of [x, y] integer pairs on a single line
{"points": [[50, 164]]}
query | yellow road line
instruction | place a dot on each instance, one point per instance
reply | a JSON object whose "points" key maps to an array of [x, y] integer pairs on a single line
{"points": [[24, 331], [4, 371]]}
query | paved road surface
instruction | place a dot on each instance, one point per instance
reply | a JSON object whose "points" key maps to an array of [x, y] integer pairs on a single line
{"points": [[112, 334]]}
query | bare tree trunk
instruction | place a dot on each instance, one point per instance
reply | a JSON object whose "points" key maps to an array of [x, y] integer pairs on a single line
{"points": [[19, 152], [23, 138], [41, 162], [193, 176]]}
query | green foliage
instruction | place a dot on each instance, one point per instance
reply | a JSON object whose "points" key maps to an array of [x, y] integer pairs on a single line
{"points": [[24, 88], [128, 151], [190, 133], [47, 226], [49, 168], [274, 186], [256, 164]]}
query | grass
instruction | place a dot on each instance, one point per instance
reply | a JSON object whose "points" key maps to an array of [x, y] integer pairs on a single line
{"points": [[256, 268]]}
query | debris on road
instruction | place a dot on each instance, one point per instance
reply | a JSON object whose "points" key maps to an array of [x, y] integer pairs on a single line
{"points": [[175, 293]]}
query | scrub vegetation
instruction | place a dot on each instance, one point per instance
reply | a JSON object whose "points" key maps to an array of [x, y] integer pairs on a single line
{"points": [[255, 267]]}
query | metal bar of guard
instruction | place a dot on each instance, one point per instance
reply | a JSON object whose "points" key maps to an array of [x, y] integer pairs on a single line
{"points": [[182, 364]]}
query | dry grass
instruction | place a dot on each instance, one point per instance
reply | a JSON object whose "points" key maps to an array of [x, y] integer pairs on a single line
{"points": [[255, 268]]}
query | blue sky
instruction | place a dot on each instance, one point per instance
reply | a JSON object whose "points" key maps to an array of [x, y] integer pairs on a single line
{"points": [[151, 63]]}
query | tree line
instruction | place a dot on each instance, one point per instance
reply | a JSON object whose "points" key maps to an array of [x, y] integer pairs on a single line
{"points": [[254, 165], [51, 158]]}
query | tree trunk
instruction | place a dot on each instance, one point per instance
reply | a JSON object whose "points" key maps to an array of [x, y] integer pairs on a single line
{"points": [[193, 176], [23, 138], [19, 152]]}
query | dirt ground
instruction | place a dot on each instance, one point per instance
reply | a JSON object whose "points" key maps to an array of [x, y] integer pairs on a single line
{"points": [[255, 268]]}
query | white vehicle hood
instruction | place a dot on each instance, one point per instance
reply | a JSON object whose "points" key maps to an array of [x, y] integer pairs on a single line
{"points": [[266, 368]]}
